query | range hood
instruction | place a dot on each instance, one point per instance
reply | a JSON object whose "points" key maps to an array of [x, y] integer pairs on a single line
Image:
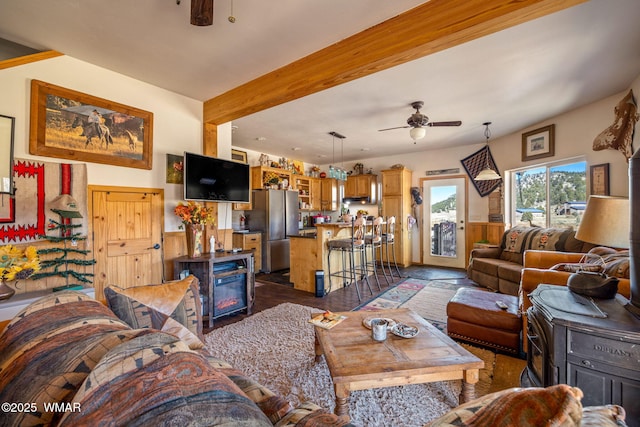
{"points": [[362, 199]]}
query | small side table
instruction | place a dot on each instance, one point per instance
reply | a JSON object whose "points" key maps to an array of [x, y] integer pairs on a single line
{"points": [[203, 268]]}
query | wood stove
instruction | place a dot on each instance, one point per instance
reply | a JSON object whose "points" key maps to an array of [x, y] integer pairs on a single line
{"points": [[590, 344]]}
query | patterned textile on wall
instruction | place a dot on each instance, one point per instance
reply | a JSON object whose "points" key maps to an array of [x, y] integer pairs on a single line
{"points": [[37, 184], [476, 162]]}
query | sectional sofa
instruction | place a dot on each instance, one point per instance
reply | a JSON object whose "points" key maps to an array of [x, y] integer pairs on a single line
{"points": [[69, 360], [499, 268]]}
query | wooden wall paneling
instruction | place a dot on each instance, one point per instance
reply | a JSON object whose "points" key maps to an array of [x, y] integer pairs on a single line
{"points": [[175, 246]]}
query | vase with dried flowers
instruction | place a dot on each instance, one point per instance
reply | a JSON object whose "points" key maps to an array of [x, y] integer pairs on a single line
{"points": [[16, 264], [194, 218]]}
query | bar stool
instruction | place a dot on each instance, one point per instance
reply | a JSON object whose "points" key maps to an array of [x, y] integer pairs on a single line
{"points": [[349, 248], [388, 240], [373, 242]]}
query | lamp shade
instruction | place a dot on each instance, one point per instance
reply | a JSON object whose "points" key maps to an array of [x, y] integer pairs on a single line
{"points": [[417, 133], [487, 174], [606, 222]]}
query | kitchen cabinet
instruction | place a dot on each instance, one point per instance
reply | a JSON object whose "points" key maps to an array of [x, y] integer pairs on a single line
{"points": [[316, 192], [262, 176], [309, 190], [394, 182], [363, 185], [396, 201], [250, 242], [242, 206], [329, 194]]}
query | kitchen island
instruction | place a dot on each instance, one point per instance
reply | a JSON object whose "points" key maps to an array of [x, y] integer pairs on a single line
{"points": [[309, 254]]}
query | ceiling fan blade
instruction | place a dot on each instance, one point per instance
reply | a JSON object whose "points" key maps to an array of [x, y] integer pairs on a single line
{"points": [[453, 123], [398, 127]]}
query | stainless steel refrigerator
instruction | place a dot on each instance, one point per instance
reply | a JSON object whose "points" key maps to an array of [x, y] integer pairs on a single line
{"points": [[275, 214]]}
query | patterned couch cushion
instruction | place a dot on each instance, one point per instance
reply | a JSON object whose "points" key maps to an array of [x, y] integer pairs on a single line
{"points": [[519, 239], [557, 405], [172, 307], [157, 380], [50, 347]]}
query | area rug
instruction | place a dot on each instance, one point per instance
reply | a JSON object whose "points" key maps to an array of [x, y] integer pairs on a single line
{"points": [[276, 348], [428, 298]]}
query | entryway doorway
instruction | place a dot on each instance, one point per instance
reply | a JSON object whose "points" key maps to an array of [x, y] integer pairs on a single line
{"points": [[127, 225], [445, 216]]}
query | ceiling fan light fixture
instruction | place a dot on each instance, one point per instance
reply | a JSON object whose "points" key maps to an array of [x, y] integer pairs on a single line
{"points": [[487, 174], [417, 133]]}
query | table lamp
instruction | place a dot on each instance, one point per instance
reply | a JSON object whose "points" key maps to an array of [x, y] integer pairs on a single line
{"points": [[605, 222]]}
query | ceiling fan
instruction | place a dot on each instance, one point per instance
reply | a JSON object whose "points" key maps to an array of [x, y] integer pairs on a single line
{"points": [[417, 121]]}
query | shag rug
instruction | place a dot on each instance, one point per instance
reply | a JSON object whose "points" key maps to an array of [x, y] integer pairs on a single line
{"points": [[276, 348]]}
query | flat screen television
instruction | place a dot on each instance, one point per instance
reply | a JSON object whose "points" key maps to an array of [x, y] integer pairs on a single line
{"points": [[211, 179]]}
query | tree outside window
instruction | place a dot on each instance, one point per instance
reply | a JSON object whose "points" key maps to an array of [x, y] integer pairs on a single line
{"points": [[550, 195]]}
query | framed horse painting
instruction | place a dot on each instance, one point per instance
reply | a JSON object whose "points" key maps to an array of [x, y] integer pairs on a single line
{"points": [[73, 125]]}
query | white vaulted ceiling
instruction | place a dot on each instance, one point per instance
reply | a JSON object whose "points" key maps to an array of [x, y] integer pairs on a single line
{"points": [[515, 78]]}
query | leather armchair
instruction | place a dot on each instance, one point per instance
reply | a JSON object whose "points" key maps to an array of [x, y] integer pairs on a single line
{"points": [[537, 271]]}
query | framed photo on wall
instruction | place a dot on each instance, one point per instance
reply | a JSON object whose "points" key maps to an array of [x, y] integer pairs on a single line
{"points": [[599, 179], [538, 143], [239, 156], [73, 125]]}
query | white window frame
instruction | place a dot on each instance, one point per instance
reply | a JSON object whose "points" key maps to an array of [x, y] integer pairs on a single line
{"points": [[510, 186]]}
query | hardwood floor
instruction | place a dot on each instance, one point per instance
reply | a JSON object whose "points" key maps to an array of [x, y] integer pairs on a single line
{"points": [[271, 294]]}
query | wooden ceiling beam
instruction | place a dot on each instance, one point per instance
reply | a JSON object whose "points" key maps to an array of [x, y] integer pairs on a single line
{"points": [[28, 59], [431, 27]]}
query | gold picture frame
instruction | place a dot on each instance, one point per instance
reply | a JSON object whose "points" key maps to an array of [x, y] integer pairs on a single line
{"points": [[538, 143], [73, 125], [239, 156], [599, 180]]}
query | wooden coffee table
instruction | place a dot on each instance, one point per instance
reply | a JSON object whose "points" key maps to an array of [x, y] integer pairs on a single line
{"points": [[357, 362]]}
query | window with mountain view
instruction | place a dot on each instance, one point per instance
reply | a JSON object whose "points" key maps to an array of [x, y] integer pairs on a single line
{"points": [[550, 196]]}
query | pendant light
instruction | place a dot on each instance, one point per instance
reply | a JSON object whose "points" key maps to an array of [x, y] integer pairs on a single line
{"points": [[335, 171], [487, 174]]}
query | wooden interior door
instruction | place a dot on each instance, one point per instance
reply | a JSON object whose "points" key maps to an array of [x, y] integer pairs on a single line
{"points": [[127, 225]]}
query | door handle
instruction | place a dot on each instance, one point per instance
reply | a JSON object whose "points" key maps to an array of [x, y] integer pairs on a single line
{"points": [[156, 246]]}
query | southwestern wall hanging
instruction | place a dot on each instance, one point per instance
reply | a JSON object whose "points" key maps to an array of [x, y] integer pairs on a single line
{"points": [[619, 136], [474, 163], [76, 126], [37, 185]]}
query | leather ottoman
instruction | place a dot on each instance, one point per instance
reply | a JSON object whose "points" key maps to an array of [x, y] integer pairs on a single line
{"points": [[474, 316]]}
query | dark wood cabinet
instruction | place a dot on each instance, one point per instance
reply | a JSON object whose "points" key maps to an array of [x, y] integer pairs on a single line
{"points": [[598, 353]]}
